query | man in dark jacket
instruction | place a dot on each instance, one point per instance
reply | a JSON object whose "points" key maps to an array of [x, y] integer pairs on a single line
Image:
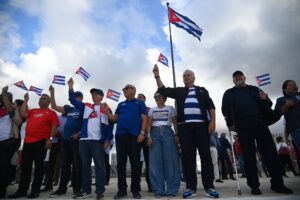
{"points": [[196, 121], [242, 109], [226, 164]]}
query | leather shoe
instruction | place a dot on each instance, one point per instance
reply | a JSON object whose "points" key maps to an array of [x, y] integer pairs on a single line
{"points": [[120, 195], [282, 189], [33, 195], [256, 191], [17, 194]]}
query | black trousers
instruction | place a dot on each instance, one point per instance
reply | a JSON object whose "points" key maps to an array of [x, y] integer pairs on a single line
{"points": [[249, 133], [53, 161], [32, 152], [107, 167], [286, 160], [126, 145], [70, 158], [226, 167], [146, 160], [7, 149], [193, 136]]}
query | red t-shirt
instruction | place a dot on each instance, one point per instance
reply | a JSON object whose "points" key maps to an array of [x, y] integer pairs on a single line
{"points": [[237, 148], [39, 124]]}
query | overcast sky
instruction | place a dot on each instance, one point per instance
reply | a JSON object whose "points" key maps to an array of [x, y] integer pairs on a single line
{"points": [[118, 42]]}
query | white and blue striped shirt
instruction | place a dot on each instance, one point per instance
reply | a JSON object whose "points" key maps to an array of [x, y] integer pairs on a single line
{"points": [[192, 110]]}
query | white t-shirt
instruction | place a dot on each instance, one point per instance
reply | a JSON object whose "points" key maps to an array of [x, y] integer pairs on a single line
{"points": [[162, 116], [5, 127], [93, 128]]}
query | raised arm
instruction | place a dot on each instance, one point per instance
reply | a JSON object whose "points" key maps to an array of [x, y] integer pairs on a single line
{"points": [[78, 104], [157, 77], [24, 107], [53, 102], [6, 101]]}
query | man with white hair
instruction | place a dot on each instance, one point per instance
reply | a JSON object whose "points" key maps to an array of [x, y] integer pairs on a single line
{"points": [[196, 121]]}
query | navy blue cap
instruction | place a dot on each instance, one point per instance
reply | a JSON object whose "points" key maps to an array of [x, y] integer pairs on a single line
{"points": [[98, 91], [78, 94]]}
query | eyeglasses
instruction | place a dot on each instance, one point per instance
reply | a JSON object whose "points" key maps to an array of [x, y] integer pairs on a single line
{"points": [[157, 96], [127, 88]]}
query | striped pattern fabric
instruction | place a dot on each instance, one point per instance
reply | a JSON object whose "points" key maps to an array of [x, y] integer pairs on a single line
{"points": [[192, 110]]}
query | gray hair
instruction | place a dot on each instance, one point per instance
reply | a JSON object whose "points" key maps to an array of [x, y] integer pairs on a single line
{"points": [[188, 71]]}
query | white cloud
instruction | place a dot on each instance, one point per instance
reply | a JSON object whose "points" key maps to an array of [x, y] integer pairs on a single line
{"points": [[112, 41]]}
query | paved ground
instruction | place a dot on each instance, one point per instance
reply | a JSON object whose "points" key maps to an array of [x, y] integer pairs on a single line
{"points": [[227, 190]]}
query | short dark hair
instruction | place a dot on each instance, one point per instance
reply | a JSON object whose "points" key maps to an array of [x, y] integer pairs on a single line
{"points": [[237, 73], [19, 102], [284, 86], [142, 95], [279, 139], [163, 96]]}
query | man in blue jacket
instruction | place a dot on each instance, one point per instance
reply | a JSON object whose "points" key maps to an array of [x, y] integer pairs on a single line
{"points": [[70, 142], [94, 135]]}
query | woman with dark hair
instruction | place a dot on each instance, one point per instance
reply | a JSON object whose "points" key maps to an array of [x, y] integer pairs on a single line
{"points": [[289, 106], [163, 156]]}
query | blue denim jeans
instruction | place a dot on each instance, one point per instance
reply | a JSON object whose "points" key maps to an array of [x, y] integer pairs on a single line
{"points": [[89, 149], [296, 137], [164, 162]]}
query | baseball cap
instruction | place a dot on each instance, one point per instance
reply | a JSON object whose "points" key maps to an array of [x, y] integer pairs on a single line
{"points": [[98, 91], [78, 94], [237, 73]]}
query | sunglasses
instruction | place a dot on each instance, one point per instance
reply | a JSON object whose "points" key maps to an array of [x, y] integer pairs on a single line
{"points": [[157, 96], [127, 88], [43, 98]]}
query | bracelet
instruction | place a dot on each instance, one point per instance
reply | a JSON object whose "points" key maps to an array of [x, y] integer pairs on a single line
{"points": [[148, 135], [156, 77], [142, 132]]}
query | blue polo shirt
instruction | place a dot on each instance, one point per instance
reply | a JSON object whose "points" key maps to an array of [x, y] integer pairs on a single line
{"points": [[74, 122], [130, 117]]}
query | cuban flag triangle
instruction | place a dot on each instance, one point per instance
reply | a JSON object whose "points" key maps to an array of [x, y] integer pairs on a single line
{"points": [[162, 59], [85, 75], [263, 79], [113, 95], [185, 23], [59, 80], [21, 84], [38, 91]]}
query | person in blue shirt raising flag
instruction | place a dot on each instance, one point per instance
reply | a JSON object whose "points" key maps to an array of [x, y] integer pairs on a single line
{"points": [[70, 150]]}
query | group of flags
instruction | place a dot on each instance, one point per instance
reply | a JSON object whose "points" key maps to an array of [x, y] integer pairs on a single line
{"points": [[61, 80]]}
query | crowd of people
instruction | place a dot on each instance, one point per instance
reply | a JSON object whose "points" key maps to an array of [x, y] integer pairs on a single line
{"points": [[168, 138]]}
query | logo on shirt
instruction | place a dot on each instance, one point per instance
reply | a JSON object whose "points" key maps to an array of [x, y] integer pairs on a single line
{"points": [[38, 115], [93, 115]]}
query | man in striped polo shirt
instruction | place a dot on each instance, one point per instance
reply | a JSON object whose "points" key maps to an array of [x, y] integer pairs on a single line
{"points": [[196, 121]]}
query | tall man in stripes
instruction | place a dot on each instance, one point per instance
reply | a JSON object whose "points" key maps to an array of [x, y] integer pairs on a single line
{"points": [[196, 121]]}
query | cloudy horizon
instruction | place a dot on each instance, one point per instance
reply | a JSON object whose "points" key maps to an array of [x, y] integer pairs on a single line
{"points": [[118, 42]]}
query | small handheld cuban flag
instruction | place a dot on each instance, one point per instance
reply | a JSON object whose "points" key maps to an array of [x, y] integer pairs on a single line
{"points": [[162, 59], [263, 79], [38, 91], [185, 23], [85, 75], [113, 95], [21, 84], [60, 80]]}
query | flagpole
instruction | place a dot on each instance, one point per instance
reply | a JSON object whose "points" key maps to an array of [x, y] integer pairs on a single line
{"points": [[171, 45]]}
